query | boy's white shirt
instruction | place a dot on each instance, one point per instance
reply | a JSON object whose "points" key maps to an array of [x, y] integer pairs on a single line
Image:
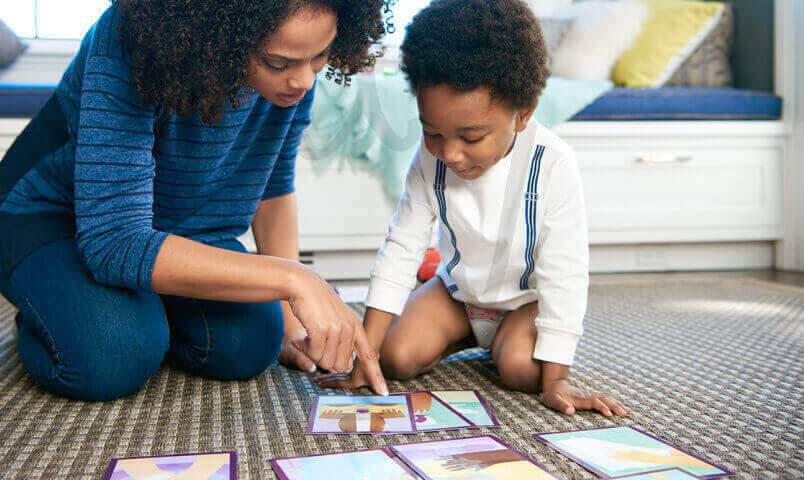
{"points": [[481, 215]]}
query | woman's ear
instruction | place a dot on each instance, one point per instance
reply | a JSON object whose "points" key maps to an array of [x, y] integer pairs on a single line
{"points": [[523, 116]]}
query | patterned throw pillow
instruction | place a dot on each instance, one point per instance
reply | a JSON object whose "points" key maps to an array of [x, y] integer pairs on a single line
{"points": [[709, 64], [674, 30], [10, 45]]}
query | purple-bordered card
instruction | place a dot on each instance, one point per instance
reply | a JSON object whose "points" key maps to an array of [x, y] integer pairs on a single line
{"points": [[212, 466], [621, 452], [374, 463], [346, 414], [485, 456], [669, 474], [432, 414], [470, 404]]}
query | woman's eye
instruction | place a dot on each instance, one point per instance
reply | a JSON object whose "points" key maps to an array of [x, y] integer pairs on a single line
{"points": [[276, 68]]}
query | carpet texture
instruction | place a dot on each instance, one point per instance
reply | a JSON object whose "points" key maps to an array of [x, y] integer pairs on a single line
{"points": [[712, 365]]}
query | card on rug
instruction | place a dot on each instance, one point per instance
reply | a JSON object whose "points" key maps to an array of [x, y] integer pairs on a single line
{"points": [[361, 414], [671, 474], [318, 380], [617, 452], [486, 457], [207, 466], [363, 465], [431, 414], [470, 404]]}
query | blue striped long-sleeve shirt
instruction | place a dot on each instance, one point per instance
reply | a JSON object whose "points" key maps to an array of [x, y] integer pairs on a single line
{"points": [[132, 175]]}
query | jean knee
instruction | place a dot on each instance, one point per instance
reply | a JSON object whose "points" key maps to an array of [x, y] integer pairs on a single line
{"points": [[245, 345], [93, 367]]}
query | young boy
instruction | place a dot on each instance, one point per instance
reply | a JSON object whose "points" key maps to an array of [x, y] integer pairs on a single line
{"points": [[506, 195]]}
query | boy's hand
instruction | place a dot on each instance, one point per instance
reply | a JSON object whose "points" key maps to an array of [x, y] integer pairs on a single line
{"points": [[563, 397], [360, 377]]}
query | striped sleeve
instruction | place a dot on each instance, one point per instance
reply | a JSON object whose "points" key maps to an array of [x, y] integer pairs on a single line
{"points": [[114, 169], [283, 176]]}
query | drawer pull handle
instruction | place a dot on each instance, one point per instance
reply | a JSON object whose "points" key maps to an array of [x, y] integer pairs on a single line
{"points": [[663, 159]]}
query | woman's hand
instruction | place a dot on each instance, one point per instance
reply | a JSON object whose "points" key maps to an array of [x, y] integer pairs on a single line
{"points": [[361, 377], [563, 397], [334, 331]]}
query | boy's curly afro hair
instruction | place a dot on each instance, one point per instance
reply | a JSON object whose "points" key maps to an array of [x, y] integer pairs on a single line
{"points": [[191, 56], [468, 44]]}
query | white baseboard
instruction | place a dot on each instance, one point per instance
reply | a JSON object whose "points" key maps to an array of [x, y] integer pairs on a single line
{"points": [[356, 264], [682, 257]]}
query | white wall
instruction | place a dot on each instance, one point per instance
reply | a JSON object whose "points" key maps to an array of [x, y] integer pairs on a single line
{"points": [[546, 8]]}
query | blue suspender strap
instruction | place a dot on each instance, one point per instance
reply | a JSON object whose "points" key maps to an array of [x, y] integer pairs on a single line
{"points": [[531, 202]]}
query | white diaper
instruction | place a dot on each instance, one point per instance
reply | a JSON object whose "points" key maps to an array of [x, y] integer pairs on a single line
{"points": [[484, 324]]}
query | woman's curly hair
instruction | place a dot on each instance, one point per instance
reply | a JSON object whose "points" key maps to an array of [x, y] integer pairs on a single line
{"points": [[468, 44], [192, 56]]}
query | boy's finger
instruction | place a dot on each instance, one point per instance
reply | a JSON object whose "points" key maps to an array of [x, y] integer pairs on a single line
{"points": [[559, 403], [601, 407], [613, 405], [371, 362]]}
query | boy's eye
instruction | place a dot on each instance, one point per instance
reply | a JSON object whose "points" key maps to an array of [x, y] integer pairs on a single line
{"points": [[473, 140], [431, 135]]}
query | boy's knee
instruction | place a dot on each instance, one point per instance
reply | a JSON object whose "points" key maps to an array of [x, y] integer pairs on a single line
{"points": [[399, 363], [519, 372]]}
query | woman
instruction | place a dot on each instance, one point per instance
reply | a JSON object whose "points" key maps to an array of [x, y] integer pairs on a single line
{"points": [[174, 128]]}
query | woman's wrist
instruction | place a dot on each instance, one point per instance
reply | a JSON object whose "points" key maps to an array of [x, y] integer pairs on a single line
{"points": [[283, 277]]}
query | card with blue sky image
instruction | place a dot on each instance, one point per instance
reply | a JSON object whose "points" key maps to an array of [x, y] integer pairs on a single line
{"points": [[200, 466], [671, 474], [622, 452], [470, 404], [363, 465], [431, 414], [345, 414], [477, 458]]}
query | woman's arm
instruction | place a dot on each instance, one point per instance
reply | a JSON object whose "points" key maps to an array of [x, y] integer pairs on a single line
{"points": [[276, 232], [187, 268]]}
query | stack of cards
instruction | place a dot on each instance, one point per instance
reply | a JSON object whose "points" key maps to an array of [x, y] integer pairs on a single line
{"points": [[400, 413], [212, 466], [626, 452], [485, 457]]}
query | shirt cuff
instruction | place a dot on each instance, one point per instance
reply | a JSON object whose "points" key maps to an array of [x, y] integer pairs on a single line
{"points": [[555, 347], [387, 296]]}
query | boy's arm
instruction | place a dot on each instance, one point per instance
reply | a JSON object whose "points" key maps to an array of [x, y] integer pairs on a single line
{"points": [[561, 270], [394, 274], [562, 284]]}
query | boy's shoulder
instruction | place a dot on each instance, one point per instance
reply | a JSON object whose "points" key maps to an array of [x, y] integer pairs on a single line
{"points": [[556, 149]]}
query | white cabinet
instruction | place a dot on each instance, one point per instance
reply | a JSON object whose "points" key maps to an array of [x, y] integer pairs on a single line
{"points": [[659, 195]]}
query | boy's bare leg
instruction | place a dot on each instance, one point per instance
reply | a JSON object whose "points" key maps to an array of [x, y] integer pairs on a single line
{"points": [[512, 350], [431, 323]]}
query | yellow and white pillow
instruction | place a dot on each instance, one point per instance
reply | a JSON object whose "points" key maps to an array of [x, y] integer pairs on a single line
{"points": [[673, 30]]}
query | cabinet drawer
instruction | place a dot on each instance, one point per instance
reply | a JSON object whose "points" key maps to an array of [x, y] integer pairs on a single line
{"points": [[664, 194]]}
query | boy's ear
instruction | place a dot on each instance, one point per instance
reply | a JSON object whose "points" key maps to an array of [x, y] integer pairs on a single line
{"points": [[523, 116]]}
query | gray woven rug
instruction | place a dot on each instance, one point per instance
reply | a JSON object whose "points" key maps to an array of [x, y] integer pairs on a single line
{"points": [[712, 365]]}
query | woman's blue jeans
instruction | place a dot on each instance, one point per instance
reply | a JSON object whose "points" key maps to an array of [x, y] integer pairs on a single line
{"points": [[88, 341]]}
